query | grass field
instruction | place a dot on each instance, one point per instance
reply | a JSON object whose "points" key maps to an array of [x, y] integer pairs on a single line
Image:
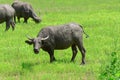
{"points": [[100, 19]]}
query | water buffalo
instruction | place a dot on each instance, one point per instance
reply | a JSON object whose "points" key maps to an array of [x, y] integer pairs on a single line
{"points": [[59, 37], [24, 10], [6, 15]]}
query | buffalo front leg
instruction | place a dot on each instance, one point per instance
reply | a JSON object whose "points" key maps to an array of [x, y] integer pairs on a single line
{"points": [[12, 24], [15, 18], [51, 54], [25, 20], [74, 51], [18, 19], [7, 25]]}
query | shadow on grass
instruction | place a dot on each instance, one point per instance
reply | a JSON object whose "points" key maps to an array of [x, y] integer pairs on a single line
{"points": [[63, 61], [27, 67]]}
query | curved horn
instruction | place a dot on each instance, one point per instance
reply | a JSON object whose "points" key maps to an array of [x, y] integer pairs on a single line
{"points": [[45, 38], [29, 37]]}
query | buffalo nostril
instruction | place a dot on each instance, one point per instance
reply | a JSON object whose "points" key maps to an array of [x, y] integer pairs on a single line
{"points": [[36, 50]]}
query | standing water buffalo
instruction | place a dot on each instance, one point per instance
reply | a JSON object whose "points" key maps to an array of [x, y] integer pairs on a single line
{"points": [[58, 38], [24, 10], [6, 15]]}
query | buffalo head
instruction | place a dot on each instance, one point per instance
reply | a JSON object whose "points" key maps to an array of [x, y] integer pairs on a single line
{"points": [[34, 16], [37, 43], [37, 20]]}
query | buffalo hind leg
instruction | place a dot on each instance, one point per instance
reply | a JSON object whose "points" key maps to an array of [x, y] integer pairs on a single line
{"points": [[83, 51], [51, 54], [74, 51]]}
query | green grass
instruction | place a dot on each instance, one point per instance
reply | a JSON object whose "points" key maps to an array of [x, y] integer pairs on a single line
{"points": [[100, 19]]}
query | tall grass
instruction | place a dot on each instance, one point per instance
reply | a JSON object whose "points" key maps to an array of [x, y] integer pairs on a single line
{"points": [[100, 19], [112, 70]]}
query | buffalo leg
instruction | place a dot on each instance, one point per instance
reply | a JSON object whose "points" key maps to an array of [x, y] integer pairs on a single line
{"points": [[14, 18], [12, 24], [52, 58], [74, 51], [7, 25], [18, 19], [25, 20], [82, 50]]}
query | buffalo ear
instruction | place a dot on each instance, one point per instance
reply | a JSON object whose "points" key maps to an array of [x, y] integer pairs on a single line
{"points": [[29, 42]]}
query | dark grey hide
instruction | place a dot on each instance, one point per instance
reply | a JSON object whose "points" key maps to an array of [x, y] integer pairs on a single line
{"points": [[24, 10], [6, 15], [58, 38]]}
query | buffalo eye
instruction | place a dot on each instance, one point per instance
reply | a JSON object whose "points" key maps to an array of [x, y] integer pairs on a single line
{"points": [[43, 42]]}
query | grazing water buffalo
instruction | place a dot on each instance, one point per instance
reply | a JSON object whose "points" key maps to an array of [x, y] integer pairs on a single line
{"points": [[24, 10], [6, 15], [58, 38]]}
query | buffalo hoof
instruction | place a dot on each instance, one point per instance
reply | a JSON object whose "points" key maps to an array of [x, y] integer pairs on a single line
{"points": [[82, 64]]}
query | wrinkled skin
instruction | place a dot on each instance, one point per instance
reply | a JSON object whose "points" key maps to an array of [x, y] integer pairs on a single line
{"points": [[59, 38], [24, 10], [6, 15]]}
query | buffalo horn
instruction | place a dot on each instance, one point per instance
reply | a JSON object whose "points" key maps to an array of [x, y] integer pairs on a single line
{"points": [[29, 37], [45, 38]]}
